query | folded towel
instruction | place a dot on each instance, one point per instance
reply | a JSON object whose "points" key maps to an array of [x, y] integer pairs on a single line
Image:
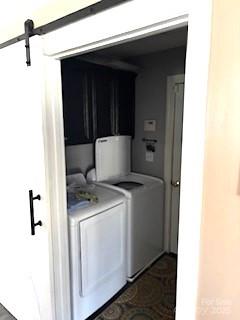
{"points": [[74, 203], [81, 194]]}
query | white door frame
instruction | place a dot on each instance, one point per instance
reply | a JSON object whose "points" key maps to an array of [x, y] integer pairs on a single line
{"points": [[141, 18], [171, 81]]}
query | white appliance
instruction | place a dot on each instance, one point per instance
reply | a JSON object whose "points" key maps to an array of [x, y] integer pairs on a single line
{"points": [[97, 251], [145, 199]]}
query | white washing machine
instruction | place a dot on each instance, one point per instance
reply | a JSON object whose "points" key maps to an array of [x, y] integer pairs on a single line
{"points": [[97, 233], [145, 201]]}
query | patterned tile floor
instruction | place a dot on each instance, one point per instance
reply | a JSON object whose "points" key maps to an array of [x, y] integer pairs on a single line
{"points": [[150, 297]]}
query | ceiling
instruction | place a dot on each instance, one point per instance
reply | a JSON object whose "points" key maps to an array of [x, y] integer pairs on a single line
{"points": [[159, 42]]}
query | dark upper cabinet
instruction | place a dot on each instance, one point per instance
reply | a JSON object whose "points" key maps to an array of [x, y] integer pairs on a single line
{"points": [[77, 107], [97, 102], [103, 102], [125, 103]]}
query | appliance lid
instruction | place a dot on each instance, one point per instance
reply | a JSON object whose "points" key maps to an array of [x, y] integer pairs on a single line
{"points": [[128, 185], [113, 157]]}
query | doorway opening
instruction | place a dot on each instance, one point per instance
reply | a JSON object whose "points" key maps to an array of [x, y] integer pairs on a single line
{"points": [[123, 112]]}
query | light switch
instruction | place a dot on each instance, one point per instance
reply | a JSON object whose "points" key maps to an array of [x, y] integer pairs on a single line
{"points": [[149, 125], [149, 156]]}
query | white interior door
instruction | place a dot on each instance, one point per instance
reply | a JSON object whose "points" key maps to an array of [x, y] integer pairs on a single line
{"points": [[25, 273], [176, 163]]}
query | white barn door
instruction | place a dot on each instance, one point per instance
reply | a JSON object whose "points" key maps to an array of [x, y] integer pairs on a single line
{"points": [[25, 259]]}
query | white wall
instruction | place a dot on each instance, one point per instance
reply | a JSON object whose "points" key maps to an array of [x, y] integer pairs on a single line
{"points": [[79, 158], [219, 284], [151, 86]]}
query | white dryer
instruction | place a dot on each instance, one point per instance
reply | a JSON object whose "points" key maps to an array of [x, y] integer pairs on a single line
{"points": [[145, 201], [97, 235]]}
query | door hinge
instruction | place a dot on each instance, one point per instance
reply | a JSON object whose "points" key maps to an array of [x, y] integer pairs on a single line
{"points": [[29, 31]]}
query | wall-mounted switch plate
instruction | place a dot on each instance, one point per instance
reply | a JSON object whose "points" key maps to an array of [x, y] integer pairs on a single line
{"points": [[149, 125], [149, 156]]}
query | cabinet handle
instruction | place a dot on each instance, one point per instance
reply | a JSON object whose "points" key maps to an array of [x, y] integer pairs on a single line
{"points": [[94, 106], [86, 107], [114, 106], [117, 85], [33, 223]]}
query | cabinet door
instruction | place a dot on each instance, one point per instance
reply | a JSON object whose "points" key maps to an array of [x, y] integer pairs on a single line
{"points": [[125, 103], [77, 113], [104, 119], [97, 102]]}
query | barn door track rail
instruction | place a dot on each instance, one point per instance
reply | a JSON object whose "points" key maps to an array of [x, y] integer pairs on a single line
{"points": [[59, 23]]}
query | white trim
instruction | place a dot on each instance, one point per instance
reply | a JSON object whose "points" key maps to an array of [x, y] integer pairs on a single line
{"points": [[55, 155], [61, 44], [55, 170], [139, 16], [157, 28], [193, 148], [171, 81]]}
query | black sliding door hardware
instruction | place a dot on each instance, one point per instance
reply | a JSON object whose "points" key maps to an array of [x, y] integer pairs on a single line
{"points": [[33, 223], [29, 27], [59, 23]]}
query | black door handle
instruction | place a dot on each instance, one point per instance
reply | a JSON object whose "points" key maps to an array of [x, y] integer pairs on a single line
{"points": [[33, 223]]}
